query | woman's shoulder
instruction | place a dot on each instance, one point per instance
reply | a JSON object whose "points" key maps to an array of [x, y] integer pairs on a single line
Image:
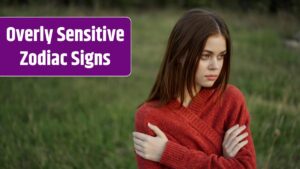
{"points": [[150, 109], [149, 112], [150, 106], [235, 104], [233, 94]]}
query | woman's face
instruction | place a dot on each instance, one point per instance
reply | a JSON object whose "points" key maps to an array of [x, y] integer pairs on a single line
{"points": [[211, 61]]}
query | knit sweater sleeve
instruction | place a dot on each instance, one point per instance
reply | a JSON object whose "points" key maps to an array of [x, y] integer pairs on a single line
{"points": [[177, 156], [141, 120]]}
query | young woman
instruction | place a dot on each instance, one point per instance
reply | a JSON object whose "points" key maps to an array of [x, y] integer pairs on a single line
{"points": [[192, 117]]}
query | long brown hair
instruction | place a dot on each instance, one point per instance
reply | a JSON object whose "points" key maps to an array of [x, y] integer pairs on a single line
{"points": [[184, 48]]}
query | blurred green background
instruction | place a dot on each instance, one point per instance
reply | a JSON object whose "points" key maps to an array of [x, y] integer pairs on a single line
{"points": [[87, 122]]}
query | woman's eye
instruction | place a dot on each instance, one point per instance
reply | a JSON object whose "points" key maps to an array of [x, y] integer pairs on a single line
{"points": [[204, 57], [220, 57]]}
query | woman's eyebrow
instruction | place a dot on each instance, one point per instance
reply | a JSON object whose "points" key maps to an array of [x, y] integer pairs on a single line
{"points": [[211, 52]]}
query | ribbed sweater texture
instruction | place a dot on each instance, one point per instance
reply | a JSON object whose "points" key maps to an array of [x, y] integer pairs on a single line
{"points": [[195, 133]]}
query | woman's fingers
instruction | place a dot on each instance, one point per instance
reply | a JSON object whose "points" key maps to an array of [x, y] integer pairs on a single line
{"points": [[157, 131], [141, 136], [238, 131], [233, 140], [149, 147], [138, 147], [138, 141], [239, 146], [242, 136], [232, 136], [140, 153], [228, 132], [236, 141]]}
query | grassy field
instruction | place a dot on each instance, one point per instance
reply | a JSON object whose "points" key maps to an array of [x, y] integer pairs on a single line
{"points": [[86, 123]]}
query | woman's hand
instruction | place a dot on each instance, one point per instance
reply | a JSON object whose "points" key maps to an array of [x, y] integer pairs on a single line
{"points": [[148, 147], [232, 141]]}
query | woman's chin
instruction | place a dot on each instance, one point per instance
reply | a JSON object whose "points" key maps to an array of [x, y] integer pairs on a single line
{"points": [[208, 84]]}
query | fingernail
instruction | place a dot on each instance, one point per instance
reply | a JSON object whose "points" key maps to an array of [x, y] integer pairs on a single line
{"points": [[149, 124]]}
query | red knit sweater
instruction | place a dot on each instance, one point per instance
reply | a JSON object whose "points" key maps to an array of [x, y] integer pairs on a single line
{"points": [[195, 133]]}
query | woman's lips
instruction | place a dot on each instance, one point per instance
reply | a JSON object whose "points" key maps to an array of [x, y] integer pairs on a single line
{"points": [[211, 77]]}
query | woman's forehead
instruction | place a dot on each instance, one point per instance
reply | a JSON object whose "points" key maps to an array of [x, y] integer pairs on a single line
{"points": [[215, 43]]}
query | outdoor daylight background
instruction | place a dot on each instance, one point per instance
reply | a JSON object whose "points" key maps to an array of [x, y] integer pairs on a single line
{"points": [[87, 122]]}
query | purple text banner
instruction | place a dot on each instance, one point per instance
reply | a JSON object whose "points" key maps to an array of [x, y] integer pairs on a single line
{"points": [[65, 46]]}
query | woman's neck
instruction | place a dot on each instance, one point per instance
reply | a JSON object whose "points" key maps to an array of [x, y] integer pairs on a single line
{"points": [[187, 97]]}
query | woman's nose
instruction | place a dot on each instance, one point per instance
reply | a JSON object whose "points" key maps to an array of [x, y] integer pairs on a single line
{"points": [[213, 63]]}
